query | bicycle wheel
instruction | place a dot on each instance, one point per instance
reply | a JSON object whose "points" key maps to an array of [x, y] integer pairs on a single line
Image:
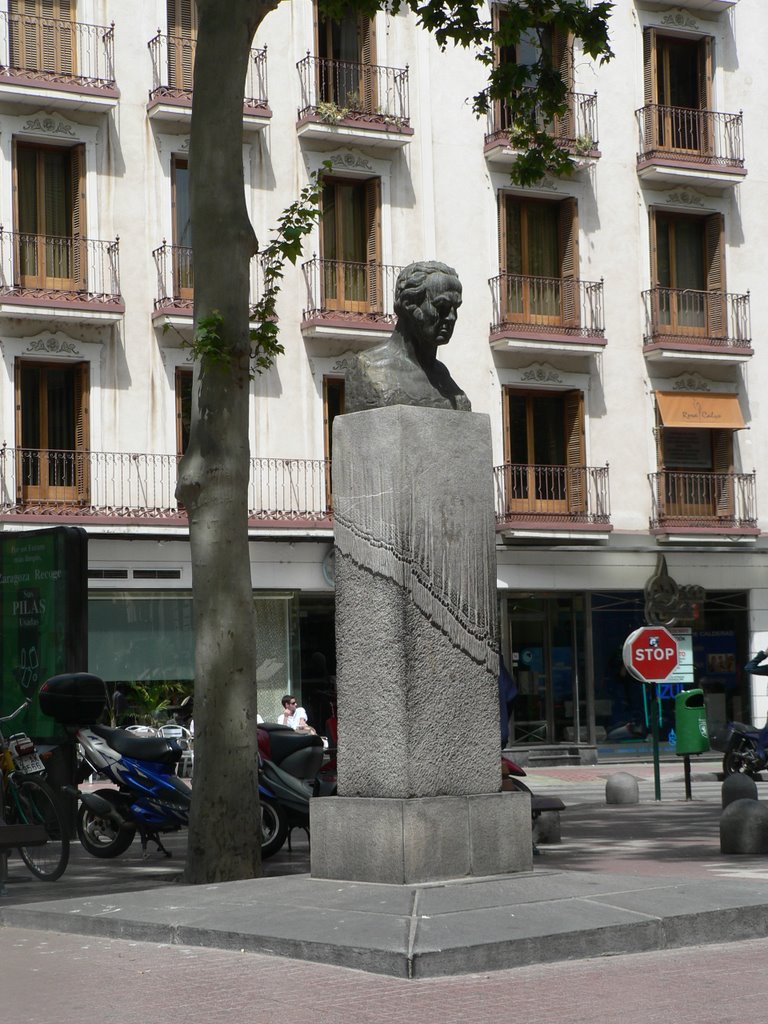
{"points": [[35, 805]]}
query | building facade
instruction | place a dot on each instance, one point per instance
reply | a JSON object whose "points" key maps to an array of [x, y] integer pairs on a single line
{"points": [[610, 329]]}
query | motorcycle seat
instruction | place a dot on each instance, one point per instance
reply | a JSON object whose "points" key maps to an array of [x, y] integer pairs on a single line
{"points": [[143, 748], [284, 741]]}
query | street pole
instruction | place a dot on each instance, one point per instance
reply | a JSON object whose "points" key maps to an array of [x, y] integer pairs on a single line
{"points": [[655, 739]]}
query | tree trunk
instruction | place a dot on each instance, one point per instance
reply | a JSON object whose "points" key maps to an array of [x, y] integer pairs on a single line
{"points": [[225, 832]]}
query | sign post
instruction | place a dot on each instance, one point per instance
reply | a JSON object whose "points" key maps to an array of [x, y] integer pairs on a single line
{"points": [[651, 654]]}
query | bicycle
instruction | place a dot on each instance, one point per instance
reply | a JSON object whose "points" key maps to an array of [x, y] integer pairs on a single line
{"points": [[27, 799]]}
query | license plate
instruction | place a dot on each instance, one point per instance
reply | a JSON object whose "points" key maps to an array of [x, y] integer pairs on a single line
{"points": [[29, 764]]}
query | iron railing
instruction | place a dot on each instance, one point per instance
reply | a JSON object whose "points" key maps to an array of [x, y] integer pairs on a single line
{"points": [[703, 500], [720, 320], [348, 289], [176, 278], [173, 61], [136, 485], [59, 268], [575, 130], [556, 494], [550, 304], [337, 90], [52, 50], [688, 135]]}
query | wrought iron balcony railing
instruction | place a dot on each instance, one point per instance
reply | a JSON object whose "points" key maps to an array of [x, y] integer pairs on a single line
{"points": [[176, 279], [576, 130], [574, 495], [56, 269], [56, 51], [690, 136], [549, 304], [357, 291], [141, 486], [686, 317], [173, 61], [710, 501], [340, 90]]}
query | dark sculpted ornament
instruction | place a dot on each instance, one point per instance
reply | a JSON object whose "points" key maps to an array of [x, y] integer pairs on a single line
{"points": [[405, 370]]}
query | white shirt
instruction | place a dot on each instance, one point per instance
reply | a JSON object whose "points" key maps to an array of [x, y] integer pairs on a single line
{"points": [[293, 720]]}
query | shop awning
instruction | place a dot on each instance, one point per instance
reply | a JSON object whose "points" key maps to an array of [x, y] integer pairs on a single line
{"points": [[699, 409]]}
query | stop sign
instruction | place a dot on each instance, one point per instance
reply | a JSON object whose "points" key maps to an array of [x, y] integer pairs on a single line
{"points": [[651, 654]]}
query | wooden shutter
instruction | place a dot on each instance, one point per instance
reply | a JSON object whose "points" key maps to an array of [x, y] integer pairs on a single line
{"points": [[79, 245], [650, 90], [182, 36], [562, 61], [568, 243], [502, 217], [706, 139], [714, 244], [373, 244], [575, 453], [366, 33], [82, 429], [722, 464], [17, 366]]}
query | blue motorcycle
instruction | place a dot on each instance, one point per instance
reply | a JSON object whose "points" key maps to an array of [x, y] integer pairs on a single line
{"points": [[146, 795]]}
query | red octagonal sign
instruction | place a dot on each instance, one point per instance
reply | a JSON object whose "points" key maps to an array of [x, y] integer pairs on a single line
{"points": [[651, 654]]}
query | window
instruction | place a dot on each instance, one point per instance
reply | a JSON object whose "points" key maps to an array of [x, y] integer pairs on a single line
{"points": [[183, 383], [544, 451], [688, 273], [333, 406], [183, 277], [538, 260], [697, 469], [346, 51], [41, 35], [49, 187], [351, 244], [678, 80], [52, 431], [182, 37], [548, 42]]}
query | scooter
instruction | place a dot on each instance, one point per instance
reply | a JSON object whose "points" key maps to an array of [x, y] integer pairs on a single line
{"points": [[746, 750], [149, 797]]}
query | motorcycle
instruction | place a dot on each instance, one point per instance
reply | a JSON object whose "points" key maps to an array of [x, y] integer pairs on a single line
{"points": [[149, 797], [746, 750]]}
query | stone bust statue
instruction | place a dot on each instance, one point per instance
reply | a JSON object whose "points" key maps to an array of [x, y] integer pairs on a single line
{"points": [[405, 370]]}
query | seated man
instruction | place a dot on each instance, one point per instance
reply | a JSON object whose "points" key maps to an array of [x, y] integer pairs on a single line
{"points": [[293, 715]]}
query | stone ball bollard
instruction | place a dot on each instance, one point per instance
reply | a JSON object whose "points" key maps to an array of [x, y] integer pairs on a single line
{"points": [[738, 787], [744, 827], [621, 788]]}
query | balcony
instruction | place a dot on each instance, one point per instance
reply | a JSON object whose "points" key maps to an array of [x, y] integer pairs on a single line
{"points": [[363, 104], [700, 504], [170, 98], [575, 132], [62, 64], [681, 323], [681, 146], [349, 301], [552, 503], [136, 489], [175, 301], [45, 277], [547, 314]]}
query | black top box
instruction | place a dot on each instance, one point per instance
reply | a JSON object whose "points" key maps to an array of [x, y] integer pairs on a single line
{"points": [[75, 698]]}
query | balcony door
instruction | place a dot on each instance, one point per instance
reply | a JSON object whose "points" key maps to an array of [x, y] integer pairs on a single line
{"points": [[346, 52], [688, 271], [183, 276], [49, 186], [697, 468], [678, 80], [544, 452], [333, 406], [52, 431], [182, 37], [42, 36], [351, 245], [538, 260]]}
